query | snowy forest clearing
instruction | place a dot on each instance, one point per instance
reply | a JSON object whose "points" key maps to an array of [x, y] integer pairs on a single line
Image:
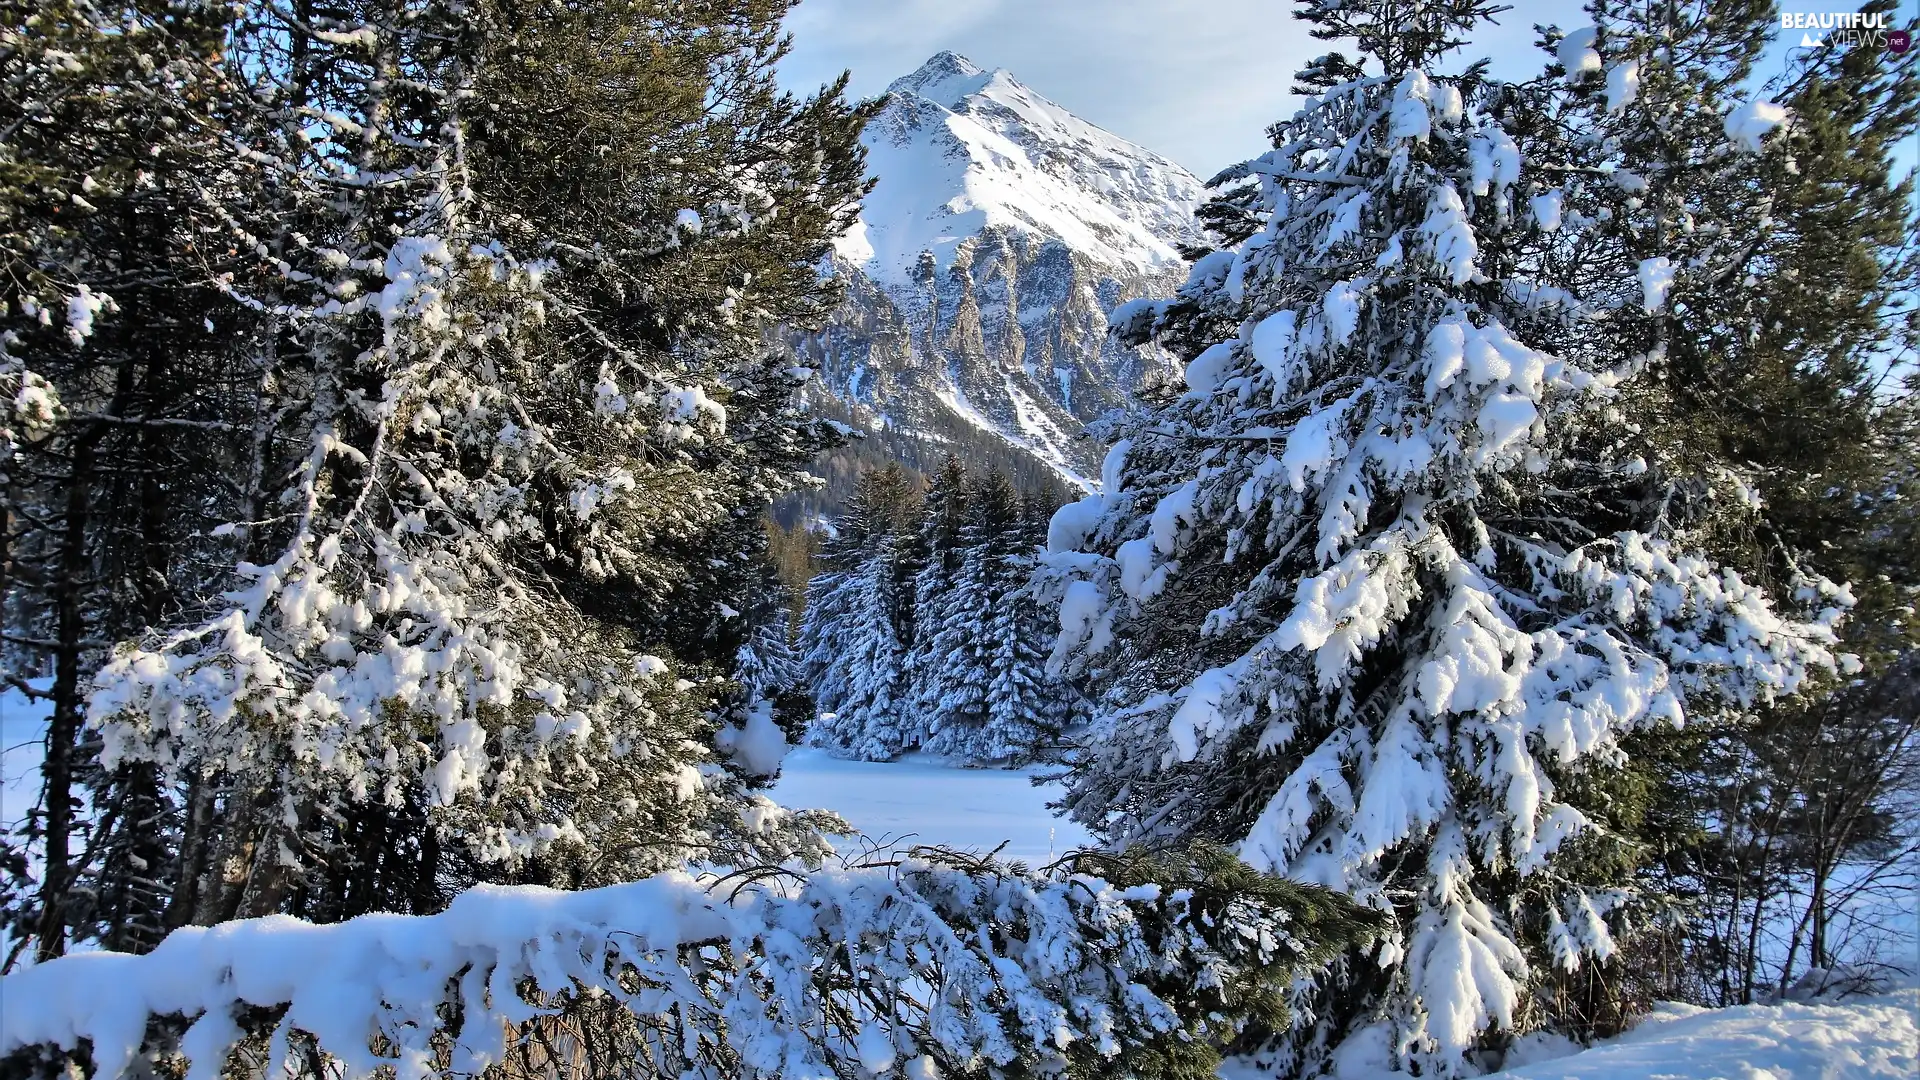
{"points": [[921, 801], [1495, 618], [916, 800]]}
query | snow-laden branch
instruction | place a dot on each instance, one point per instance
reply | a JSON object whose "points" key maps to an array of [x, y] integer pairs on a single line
{"points": [[938, 964]]}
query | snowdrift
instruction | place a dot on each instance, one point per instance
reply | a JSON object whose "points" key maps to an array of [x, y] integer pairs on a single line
{"points": [[1845, 1040], [943, 964]]}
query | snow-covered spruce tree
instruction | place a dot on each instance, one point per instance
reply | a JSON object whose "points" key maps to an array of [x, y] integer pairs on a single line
{"points": [[1140, 966], [516, 421], [999, 704], [936, 588], [770, 707], [857, 629], [1395, 577], [1028, 707], [767, 665], [1048, 705], [962, 644], [1790, 244]]}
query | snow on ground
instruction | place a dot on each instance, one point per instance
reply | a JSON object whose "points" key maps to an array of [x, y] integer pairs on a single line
{"points": [[921, 801], [1859, 1039], [1864, 1037], [924, 801]]}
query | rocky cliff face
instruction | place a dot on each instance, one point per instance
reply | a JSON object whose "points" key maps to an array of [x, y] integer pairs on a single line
{"points": [[1003, 230]]}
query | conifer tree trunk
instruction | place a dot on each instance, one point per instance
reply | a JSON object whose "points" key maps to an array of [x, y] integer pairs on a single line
{"points": [[191, 864], [73, 587], [64, 727]]}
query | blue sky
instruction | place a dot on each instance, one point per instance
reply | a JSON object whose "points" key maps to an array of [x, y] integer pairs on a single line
{"points": [[1195, 80]]}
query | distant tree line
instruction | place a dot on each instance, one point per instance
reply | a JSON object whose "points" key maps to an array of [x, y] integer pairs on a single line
{"points": [[920, 449], [920, 632]]}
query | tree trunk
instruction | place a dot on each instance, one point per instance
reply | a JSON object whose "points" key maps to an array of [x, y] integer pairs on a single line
{"points": [[1817, 906], [190, 868], [64, 729]]}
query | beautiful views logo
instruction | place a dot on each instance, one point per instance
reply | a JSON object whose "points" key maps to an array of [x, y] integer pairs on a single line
{"points": [[1849, 29]]}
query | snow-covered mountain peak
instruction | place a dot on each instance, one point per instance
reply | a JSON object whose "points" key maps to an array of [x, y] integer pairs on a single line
{"points": [[946, 78], [959, 149], [1037, 224]]}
